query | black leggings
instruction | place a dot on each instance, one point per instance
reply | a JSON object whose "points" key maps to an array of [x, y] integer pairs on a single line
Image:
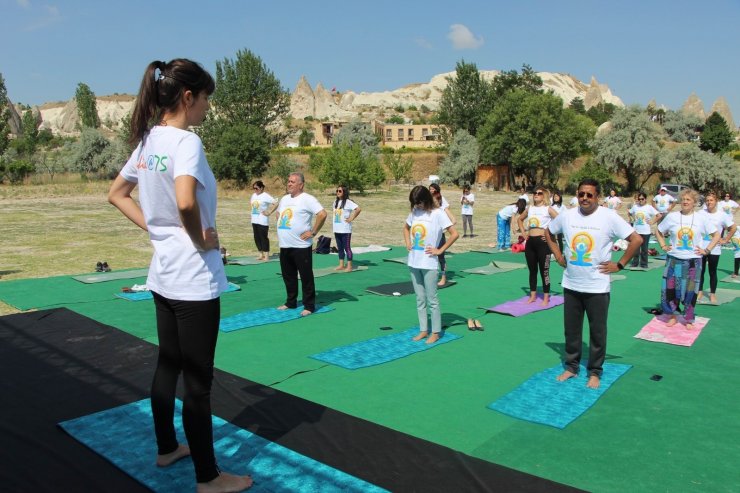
{"points": [[187, 332], [713, 261], [737, 266], [260, 237], [537, 254]]}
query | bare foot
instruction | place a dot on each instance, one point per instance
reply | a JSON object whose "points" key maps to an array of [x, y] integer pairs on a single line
{"points": [[491, 245], [348, 269], [225, 483], [593, 382], [433, 338], [165, 460], [420, 336], [339, 267], [283, 307], [566, 375], [712, 297], [734, 276], [442, 281], [546, 300], [306, 313], [671, 321], [689, 326], [699, 295], [532, 298]]}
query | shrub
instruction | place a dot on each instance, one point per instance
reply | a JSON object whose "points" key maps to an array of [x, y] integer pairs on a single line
{"points": [[17, 171]]}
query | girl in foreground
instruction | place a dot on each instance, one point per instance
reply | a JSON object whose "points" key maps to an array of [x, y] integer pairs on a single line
{"points": [[177, 197], [422, 231]]}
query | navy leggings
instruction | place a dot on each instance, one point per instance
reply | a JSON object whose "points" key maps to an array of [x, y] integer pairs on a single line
{"points": [[344, 244]]}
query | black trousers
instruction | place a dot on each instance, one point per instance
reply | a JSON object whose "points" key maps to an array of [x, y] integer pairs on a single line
{"points": [[187, 332], [713, 261], [537, 254], [295, 261], [596, 307], [641, 259], [260, 237]]}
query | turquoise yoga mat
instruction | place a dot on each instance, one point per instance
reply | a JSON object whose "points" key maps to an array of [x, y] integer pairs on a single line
{"points": [[542, 399], [265, 316], [147, 295], [380, 349], [112, 276], [124, 435]]}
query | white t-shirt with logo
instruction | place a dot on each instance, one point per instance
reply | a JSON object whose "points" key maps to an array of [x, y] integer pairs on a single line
{"points": [[340, 216], [178, 271], [295, 216], [735, 242], [720, 220], [467, 209], [663, 202], [727, 206], [259, 203], [686, 232], [642, 215], [426, 228], [508, 211], [538, 216], [612, 202], [588, 241]]}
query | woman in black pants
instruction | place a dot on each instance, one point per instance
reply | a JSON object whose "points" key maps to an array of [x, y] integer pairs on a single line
{"points": [[537, 252], [724, 223]]}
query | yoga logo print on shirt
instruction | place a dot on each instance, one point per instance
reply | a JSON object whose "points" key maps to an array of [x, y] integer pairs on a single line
{"points": [[285, 218], [685, 237], [580, 249], [640, 219], [418, 236], [736, 243], [338, 215], [533, 222], [255, 207]]}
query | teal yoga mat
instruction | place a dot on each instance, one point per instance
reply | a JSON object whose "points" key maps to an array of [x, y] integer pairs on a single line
{"points": [[111, 276], [380, 349], [124, 435], [147, 295], [265, 316], [542, 399]]}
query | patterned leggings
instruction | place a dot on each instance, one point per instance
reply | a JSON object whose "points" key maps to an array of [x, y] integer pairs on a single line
{"points": [[680, 285]]}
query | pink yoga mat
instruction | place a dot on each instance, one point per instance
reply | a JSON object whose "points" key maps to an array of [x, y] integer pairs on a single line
{"points": [[657, 331], [517, 308]]}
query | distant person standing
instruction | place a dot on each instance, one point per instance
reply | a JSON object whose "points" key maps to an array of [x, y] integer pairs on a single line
{"points": [[728, 206], [589, 233], [467, 201], [523, 195], [440, 202], [642, 216], [344, 213], [296, 212], [722, 222], [262, 205], [663, 202], [612, 201]]}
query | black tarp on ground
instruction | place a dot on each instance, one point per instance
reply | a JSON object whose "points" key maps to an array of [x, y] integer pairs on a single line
{"points": [[58, 365]]}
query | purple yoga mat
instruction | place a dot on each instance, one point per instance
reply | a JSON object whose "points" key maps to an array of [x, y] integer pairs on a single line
{"points": [[517, 308]]}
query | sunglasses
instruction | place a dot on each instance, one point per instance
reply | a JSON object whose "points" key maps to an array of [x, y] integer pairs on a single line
{"points": [[640, 198], [339, 191], [539, 193], [585, 194]]}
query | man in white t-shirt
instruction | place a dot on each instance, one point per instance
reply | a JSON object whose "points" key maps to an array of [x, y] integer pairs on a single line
{"points": [[296, 211], [664, 201], [589, 232]]}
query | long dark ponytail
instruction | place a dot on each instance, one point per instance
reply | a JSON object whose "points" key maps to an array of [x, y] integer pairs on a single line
{"points": [[162, 88]]}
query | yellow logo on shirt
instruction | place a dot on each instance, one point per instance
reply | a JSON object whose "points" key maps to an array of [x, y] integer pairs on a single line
{"points": [[581, 247], [685, 237], [285, 217], [418, 236]]}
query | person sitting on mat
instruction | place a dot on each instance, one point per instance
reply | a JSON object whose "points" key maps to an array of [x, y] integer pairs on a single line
{"points": [[536, 251], [445, 206], [589, 233], [421, 233], [177, 207], [296, 210], [345, 211]]}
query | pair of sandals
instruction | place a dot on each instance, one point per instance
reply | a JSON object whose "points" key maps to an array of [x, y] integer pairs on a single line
{"points": [[475, 325], [102, 267]]}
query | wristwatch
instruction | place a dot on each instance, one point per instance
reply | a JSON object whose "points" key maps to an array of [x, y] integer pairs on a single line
{"points": [[620, 266]]}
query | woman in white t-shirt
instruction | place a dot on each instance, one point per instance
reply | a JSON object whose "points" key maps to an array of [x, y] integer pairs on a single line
{"points": [[682, 272], [421, 232], [177, 206], [642, 216], [262, 205], [503, 223], [736, 251], [723, 222], [345, 212], [556, 202], [537, 252], [612, 201], [466, 202]]}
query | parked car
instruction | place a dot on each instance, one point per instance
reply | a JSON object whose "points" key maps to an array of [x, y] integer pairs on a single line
{"points": [[674, 189]]}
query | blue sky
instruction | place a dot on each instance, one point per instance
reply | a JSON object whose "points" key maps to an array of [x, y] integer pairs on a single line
{"points": [[643, 49]]}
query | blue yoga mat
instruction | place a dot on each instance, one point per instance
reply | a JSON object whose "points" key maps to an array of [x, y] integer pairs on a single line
{"points": [[542, 399], [265, 316], [147, 295], [124, 435], [379, 349]]}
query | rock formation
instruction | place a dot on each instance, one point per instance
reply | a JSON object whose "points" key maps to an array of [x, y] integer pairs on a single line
{"points": [[694, 106], [721, 107]]}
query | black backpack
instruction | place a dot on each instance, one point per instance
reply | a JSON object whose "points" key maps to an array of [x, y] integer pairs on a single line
{"points": [[323, 245]]}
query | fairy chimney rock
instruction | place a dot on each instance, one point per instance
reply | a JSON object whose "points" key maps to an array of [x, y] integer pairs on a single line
{"points": [[694, 106], [721, 107], [593, 94], [303, 100]]}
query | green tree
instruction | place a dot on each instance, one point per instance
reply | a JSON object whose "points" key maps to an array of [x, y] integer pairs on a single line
{"points": [[698, 169], [94, 154], [240, 154], [348, 164], [247, 93], [534, 135], [399, 166], [466, 100], [576, 104], [601, 113], [511, 80], [4, 116], [680, 126], [357, 132], [398, 119], [716, 136], [594, 171], [87, 108], [305, 138], [281, 166], [461, 162], [26, 143], [630, 147]]}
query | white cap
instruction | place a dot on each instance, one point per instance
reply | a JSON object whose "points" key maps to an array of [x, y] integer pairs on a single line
{"points": [[663, 188]]}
